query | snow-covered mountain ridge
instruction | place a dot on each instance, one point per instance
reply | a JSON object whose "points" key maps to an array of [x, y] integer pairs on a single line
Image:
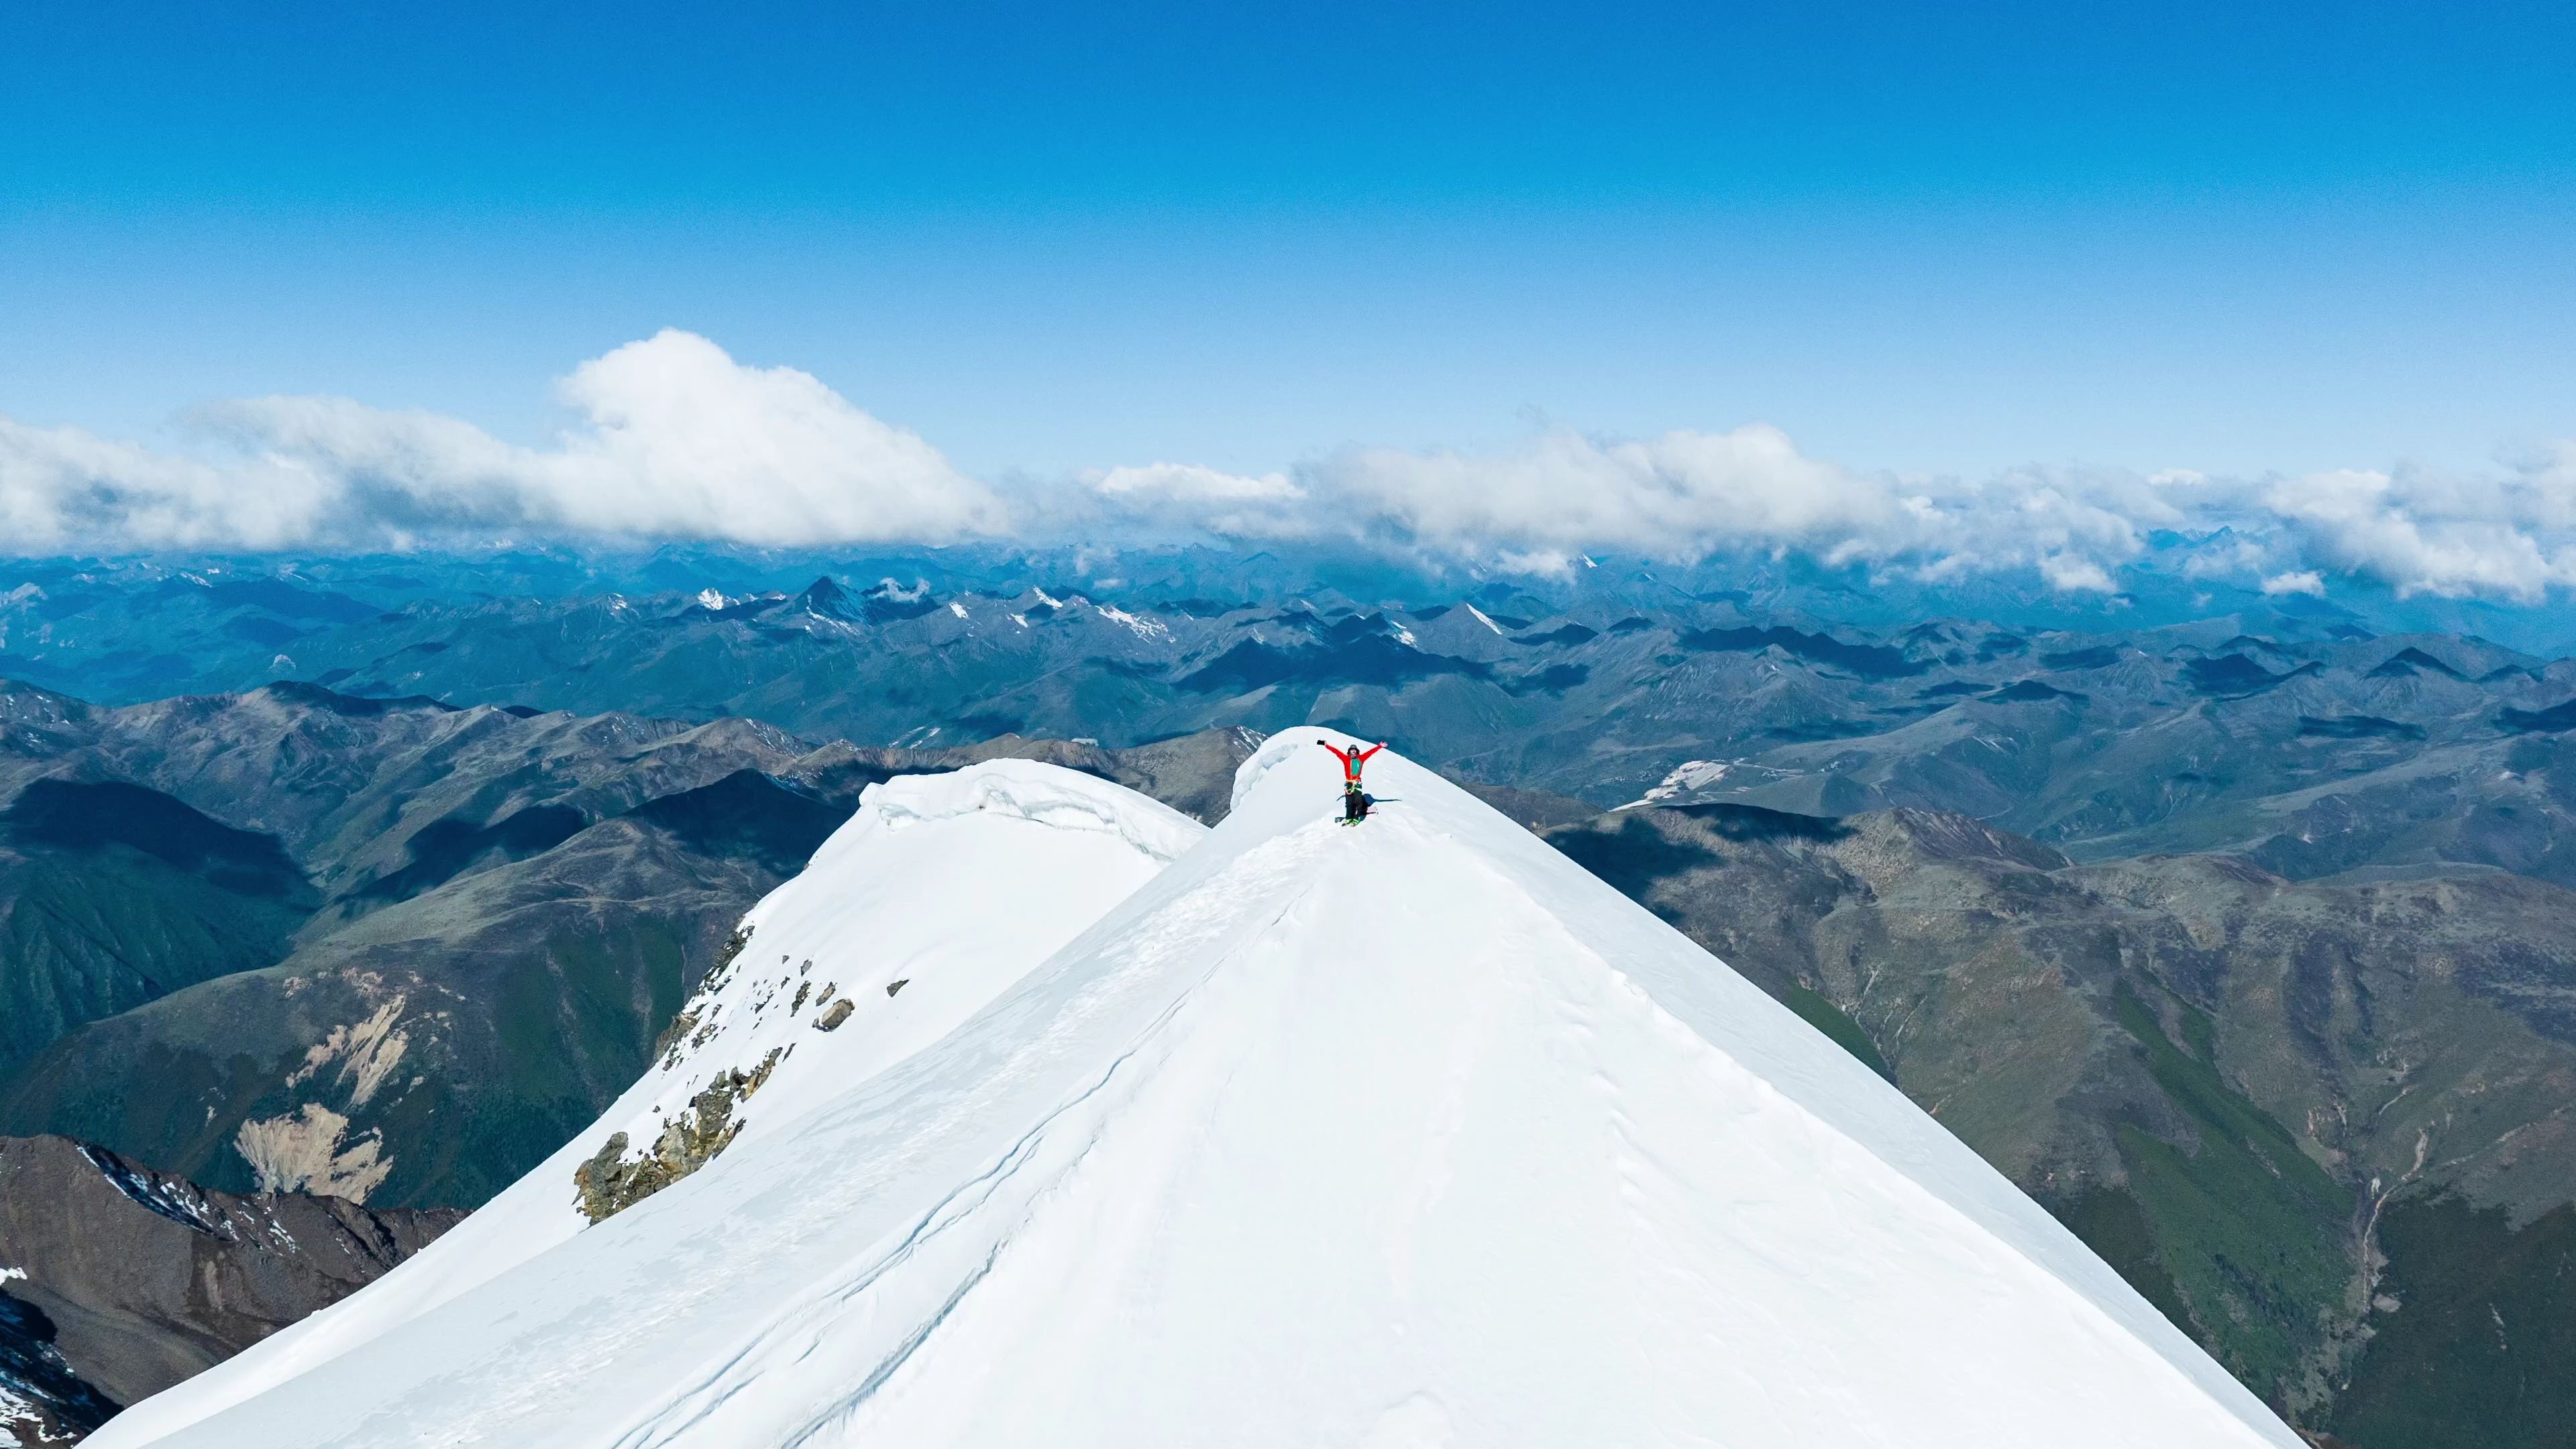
{"points": [[1028, 853], [868, 968], [1404, 1135]]}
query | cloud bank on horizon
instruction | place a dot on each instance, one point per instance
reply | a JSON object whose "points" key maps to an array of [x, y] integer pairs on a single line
{"points": [[675, 439]]}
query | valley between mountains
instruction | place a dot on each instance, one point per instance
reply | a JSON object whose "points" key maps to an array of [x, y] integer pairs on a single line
{"points": [[2243, 947]]}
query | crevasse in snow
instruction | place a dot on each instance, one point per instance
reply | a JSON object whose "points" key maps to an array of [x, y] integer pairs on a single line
{"points": [[1402, 1135]]}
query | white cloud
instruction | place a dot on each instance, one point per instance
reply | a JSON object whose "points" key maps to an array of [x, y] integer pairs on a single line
{"points": [[2069, 574], [1189, 480], [2226, 556], [670, 437], [63, 488], [674, 439], [1188, 497], [2450, 536], [1684, 495], [1671, 496]]}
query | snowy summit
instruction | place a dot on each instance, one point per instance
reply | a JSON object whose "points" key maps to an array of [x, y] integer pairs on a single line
{"points": [[1113, 1131]]}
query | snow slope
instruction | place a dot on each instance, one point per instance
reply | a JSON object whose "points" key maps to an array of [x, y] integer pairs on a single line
{"points": [[1398, 1136], [954, 884]]}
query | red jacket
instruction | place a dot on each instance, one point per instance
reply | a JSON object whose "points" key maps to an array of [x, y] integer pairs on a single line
{"points": [[1351, 759]]}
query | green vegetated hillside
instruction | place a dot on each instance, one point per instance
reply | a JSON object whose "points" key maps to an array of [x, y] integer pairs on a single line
{"points": [[2475, 1346], [397, 951], [112, 895], [2320, 1126], [270, 941], [391, 950], [2250, 1236], [427, 1054]]}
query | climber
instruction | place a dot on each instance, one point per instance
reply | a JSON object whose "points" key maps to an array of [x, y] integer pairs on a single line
{"points": [[1355, 802]]}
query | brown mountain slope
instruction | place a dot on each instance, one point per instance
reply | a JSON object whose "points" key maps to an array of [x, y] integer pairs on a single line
{"points": [[120, 1281], [2224, 1080]]}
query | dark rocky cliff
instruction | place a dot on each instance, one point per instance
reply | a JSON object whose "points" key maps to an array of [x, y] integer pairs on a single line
{"points": [[117, 1281]]}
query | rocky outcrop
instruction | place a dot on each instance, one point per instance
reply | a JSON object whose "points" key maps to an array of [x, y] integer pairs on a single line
{"points": [[609, 1183], [117, 1281]]}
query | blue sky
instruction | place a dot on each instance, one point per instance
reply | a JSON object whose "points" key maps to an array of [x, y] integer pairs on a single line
{"points": [[2237, 238]]}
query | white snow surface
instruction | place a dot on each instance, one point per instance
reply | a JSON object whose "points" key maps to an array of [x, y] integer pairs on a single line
{"points": [[1397, 1136], [955, 884]]}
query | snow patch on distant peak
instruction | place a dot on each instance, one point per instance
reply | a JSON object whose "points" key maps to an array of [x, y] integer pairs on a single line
{"points": [[1682, 778], [1028, 790], [1697, 781], [1481, 619], [1145, 628], [180, 1201]]}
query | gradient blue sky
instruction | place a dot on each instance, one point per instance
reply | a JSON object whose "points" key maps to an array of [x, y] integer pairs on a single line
{"points": [[2237, 237]]}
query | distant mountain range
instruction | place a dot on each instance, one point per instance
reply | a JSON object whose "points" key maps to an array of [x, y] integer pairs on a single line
{"points": [[2290, 733], [128, 630], [2239, 942], [391, 950]]}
